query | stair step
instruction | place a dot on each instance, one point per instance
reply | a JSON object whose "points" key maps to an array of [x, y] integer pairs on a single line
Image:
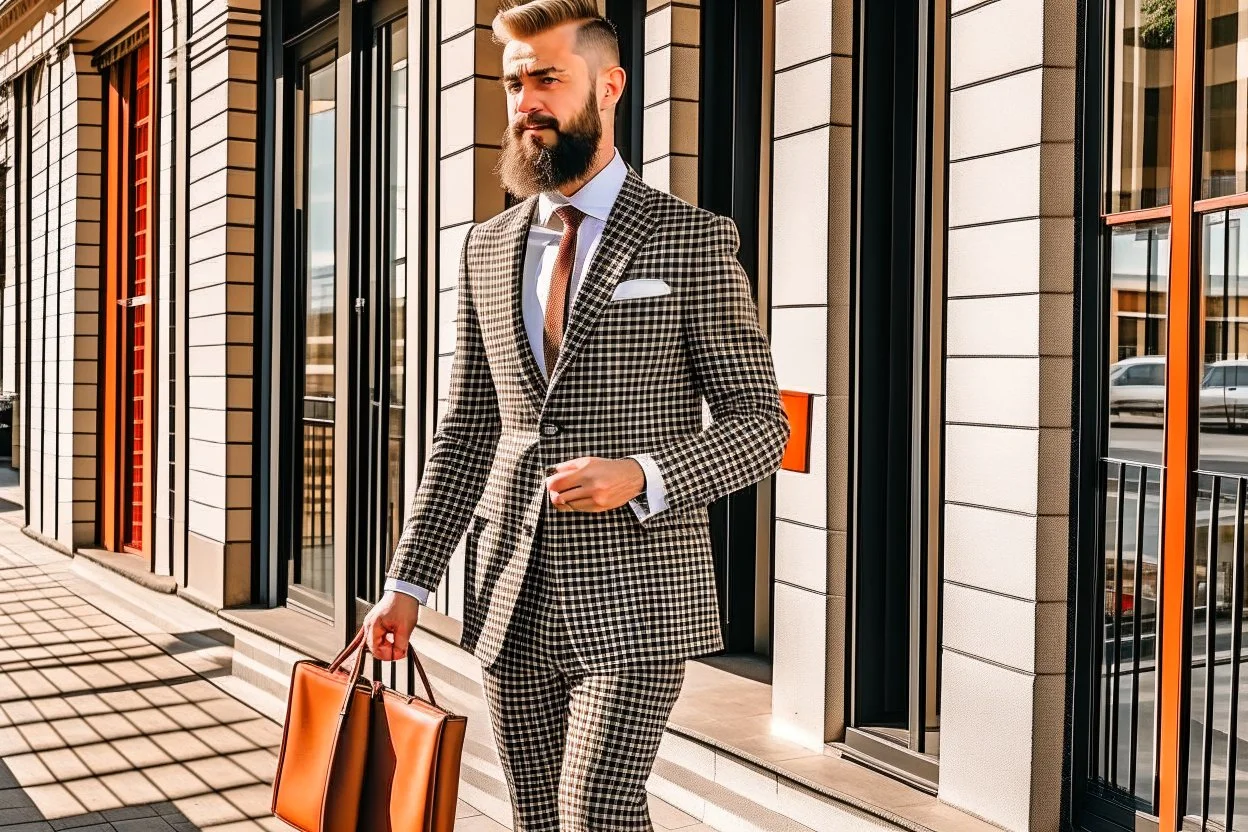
{"points": [[260, 675]]}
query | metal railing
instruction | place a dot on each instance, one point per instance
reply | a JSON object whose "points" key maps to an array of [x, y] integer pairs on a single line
{"points": [[1216, 561], [1127, 720]]}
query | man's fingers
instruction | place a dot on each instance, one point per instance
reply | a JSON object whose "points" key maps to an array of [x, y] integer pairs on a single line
{"points": [[399, 648], [382, 652], [565, 480], [375, 635]]}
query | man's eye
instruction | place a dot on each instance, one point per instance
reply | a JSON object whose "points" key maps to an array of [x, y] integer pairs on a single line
{"points": [[549, 81]]}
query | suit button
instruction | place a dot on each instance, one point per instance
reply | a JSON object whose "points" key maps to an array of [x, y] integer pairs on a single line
{"points": [[527, 529], [550, 429]]}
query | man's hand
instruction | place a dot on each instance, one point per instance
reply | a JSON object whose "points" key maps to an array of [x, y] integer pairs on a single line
{"points": [[590, 483], [389, 625]]}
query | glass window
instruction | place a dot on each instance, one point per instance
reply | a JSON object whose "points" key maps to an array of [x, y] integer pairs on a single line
{"points": [[1142, 99], [1139, 273], [312, 568], [1224, 165], [396, 205]]}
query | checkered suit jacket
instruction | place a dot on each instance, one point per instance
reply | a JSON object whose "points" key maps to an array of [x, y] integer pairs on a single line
{"points": [[630, 379]]}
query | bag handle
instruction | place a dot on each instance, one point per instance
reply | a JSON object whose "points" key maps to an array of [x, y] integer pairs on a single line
{"points": [[359, 647]]}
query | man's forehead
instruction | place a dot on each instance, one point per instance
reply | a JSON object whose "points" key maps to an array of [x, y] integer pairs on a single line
{"points": [[521, 58]]}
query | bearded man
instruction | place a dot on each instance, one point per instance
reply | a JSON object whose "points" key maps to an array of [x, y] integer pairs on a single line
{"points": [[594, 317]]}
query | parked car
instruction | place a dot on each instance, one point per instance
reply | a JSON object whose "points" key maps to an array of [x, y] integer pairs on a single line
{"points": [[1137, 389], [1224, 395]]}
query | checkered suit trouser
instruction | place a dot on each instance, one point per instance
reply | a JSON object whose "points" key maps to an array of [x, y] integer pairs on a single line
{"points": [[576, 746]]}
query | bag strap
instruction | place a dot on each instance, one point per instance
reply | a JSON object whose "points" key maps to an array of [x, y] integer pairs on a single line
{"points": [[420, 668], [358, 646]]}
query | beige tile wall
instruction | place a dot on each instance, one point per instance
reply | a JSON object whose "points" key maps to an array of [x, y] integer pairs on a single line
{"points": [[60, 280], [670, 94], [810, 344], [1008, 391], [472, 115], [218, 291], [163, 542]]}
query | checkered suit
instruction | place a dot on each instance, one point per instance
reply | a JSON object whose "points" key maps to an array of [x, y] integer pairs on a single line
{"points": [[576, 746], [630, 379]]}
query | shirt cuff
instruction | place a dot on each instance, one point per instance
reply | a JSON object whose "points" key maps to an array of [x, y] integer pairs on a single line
{"points": [[656, 494], [418, 592]]}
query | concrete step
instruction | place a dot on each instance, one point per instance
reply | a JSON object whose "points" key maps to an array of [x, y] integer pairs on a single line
{"points": [[260, 674]]}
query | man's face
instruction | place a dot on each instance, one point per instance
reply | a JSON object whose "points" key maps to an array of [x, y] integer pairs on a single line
{"points": [[552, 105]]}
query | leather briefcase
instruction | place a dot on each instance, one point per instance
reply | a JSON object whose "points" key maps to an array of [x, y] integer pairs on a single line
{"points": [[356, 757], [414, 757]]}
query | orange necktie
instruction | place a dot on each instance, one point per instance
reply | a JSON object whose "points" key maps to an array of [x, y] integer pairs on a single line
{"points": [[556, 300]]}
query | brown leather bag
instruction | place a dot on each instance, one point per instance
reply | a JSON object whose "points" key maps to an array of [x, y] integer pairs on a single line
{"points": [[365, 758]]}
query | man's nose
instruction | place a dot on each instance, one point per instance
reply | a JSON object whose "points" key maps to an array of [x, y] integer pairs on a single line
{"points": [[527, 102]]}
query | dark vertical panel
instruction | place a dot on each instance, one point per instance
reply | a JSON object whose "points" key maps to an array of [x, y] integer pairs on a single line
{"points": [[730, 100], [629, 19], [884, 337]]}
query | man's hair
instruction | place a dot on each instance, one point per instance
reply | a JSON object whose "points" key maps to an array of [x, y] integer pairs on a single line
{"points": [[525, 18]]}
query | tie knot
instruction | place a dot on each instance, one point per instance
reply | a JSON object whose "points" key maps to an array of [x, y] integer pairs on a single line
{"points": [[571, 216]]}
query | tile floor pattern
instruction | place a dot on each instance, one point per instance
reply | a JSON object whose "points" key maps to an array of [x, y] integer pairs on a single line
{"points": [[105, 729]]}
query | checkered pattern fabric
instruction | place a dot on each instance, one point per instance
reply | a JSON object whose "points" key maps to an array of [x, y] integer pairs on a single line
{"points": [[576, 747], [630, 379]]}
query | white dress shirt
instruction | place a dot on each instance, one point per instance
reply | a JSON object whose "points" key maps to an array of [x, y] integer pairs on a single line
{"points": [[595, 200]]}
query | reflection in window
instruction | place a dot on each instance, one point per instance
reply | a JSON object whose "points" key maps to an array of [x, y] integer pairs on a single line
{"points": [[1139, 274], [1217, 786], [312, 567], [1223, 390], [1142, 83], [1225, 163], [397, 205]]}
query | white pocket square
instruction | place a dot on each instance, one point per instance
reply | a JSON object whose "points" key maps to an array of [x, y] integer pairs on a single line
{"points": [[641, 287]]}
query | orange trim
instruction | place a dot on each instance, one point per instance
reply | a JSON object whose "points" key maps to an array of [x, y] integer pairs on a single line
{"points": [[1180, 355], [797, 451], [1221, 203], [1126, 217]]}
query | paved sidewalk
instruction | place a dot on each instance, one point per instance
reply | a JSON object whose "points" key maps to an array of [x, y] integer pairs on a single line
{"points": [[108, 723], [103, 727]]}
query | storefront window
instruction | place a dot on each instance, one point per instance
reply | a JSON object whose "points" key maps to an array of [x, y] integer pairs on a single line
{"points": [[1224, 167], [1139, 275], [1142, 99]]}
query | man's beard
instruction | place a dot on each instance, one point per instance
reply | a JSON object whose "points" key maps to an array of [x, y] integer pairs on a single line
{"points": [[528, 167]]}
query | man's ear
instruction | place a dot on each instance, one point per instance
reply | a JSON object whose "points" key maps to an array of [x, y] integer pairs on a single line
{"points": [[612, 83]]}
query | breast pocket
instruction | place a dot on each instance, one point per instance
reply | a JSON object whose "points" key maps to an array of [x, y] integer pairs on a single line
{"points": [[653, 320]]}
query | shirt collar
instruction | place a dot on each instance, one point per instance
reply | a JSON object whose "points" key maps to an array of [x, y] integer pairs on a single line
{"points": [[594, 199]]}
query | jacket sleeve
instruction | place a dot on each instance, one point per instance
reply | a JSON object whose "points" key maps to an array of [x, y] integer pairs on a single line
{"points": [[460, 458], [732, 362]]}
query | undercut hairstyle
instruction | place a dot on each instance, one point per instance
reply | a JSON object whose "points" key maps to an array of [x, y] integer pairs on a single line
{"points": [[596, 39]]}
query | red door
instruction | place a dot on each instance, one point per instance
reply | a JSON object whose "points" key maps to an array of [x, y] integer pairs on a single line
{"points": [[124, 469], [134, 404]]}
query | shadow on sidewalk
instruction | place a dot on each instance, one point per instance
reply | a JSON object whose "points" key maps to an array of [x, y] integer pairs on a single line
{"points": [[103, 728]]}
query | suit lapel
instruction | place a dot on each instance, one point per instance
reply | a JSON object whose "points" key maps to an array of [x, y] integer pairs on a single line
{"points": [[515, 239], [627, 228]]}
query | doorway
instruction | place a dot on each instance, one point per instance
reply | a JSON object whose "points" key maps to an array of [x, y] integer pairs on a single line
{"points": [[342, 306], [383, 325], [125, 494], [311, 550], [730, 162]]}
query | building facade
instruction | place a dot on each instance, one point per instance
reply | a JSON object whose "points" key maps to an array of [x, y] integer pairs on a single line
{"points": [[995, 248]]}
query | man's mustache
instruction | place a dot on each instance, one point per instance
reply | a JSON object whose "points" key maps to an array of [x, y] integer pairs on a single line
{"points": [[536, 122]]}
